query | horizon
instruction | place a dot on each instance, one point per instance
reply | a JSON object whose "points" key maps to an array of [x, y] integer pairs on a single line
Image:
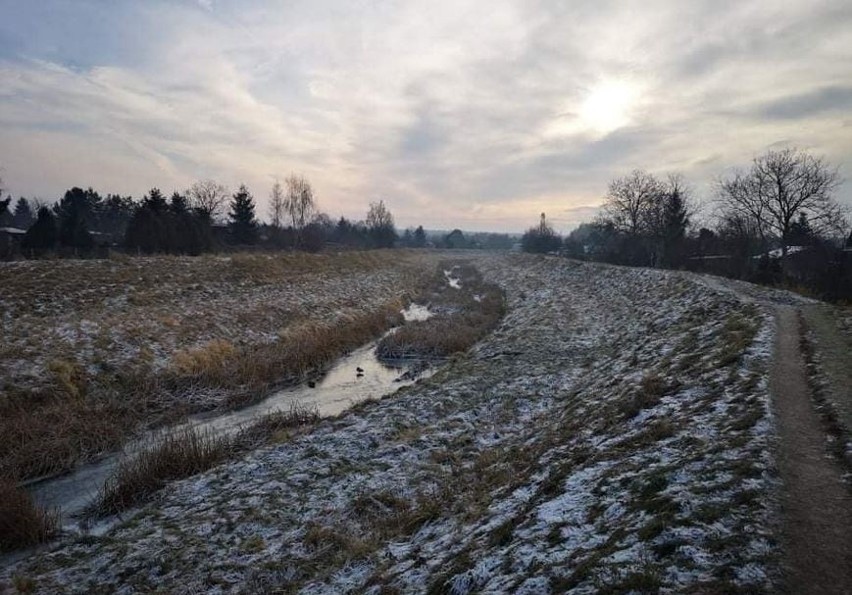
{"points": [[534, 113]]}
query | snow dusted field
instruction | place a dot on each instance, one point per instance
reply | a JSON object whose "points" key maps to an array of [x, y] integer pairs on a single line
{"points": [[108, 315], [613, 433]]}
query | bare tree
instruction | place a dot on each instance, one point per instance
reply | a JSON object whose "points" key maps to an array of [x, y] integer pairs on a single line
{"points": [[380, 225], [208, 197], [276, 205], [629, 200], [299, 203], [780, 185]]}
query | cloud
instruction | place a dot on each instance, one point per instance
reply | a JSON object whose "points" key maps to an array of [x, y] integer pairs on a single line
{"points": [[468, 114], [828, 99]]}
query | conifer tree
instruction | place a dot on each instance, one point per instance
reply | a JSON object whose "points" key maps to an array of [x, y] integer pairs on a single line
{"points": [[23, 217], [42, 235], [419, 237], [243, 224]]}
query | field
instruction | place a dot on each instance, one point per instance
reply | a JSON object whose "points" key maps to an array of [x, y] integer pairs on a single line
{"points": [[614, 432]]}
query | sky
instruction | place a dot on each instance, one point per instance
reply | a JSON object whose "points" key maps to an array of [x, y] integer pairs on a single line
{"points": [[471, 114]]}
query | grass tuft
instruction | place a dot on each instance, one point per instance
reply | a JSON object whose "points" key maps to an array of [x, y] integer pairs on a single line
{"points": [[175, 456], [22, 522], [188, 452]]}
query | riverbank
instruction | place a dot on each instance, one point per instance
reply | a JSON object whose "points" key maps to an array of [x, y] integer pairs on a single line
{"points": [[613, 431]]}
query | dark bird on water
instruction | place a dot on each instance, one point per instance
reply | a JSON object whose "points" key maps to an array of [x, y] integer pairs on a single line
{"points": [[359, 369], [311, 384]]}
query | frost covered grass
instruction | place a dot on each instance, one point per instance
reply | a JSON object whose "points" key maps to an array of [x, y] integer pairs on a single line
{"points": [[187, 452], [22, 522], [465, 309], [612, 433], [92, 350]]}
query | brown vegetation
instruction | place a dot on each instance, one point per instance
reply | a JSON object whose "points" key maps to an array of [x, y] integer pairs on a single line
{"points": [[175, 456], [22, 522], [463, 316]]}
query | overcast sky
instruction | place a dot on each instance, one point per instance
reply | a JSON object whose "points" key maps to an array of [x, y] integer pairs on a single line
{"points": [[471, 114]]}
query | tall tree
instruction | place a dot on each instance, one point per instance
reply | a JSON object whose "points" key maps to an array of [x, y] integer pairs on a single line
{"points": [[209, 197], [675, 220], [299, 204], [419, 237], [629, 200], [243, 224], [5, 213], [77, 214], [42, 235], [23, 217], [276, 205], [778, 186], [113, 215], [380, 225], [149, 229]]}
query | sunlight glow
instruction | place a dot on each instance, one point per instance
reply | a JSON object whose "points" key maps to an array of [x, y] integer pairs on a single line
{"points": [[608, 106]]}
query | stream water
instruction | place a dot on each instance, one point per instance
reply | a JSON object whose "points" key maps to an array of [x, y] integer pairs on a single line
{"points": [[355, 377]]}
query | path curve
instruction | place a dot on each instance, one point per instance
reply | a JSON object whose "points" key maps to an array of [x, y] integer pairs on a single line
{"points": [[816, 505]]}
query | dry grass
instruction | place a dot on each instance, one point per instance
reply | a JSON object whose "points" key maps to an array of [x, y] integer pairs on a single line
{"points": [[56, 435], [277, 426], [737, 336], [463, 317], [651, 389], [202, 360], [175, 456], [22, 522]]}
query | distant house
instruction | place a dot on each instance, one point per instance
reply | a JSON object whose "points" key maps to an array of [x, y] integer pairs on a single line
{"points": [[10, 241], [778, 252]]}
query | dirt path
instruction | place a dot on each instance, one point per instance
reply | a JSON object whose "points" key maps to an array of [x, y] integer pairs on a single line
{"points": [[816, 506]]}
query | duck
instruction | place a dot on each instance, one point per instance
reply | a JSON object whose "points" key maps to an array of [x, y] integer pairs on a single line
{"points": [[359, 369], [311, 384]]}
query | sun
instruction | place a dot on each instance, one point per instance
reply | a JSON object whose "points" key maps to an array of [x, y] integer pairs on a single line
{"points": [[608, 106]]}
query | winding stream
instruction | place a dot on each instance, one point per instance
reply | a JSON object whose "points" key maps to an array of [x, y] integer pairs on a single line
{"points": [[355, 377]]}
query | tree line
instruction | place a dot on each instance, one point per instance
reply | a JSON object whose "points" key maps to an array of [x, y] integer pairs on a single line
{"points": [[776, 221], [205, 217]]}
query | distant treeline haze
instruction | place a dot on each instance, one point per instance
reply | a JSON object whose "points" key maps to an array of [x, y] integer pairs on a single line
{"points": [[205, 217]]}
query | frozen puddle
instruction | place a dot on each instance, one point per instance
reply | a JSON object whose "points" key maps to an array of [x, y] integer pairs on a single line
{"points": [[454, 281], [355, 377], [416, 312]]}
